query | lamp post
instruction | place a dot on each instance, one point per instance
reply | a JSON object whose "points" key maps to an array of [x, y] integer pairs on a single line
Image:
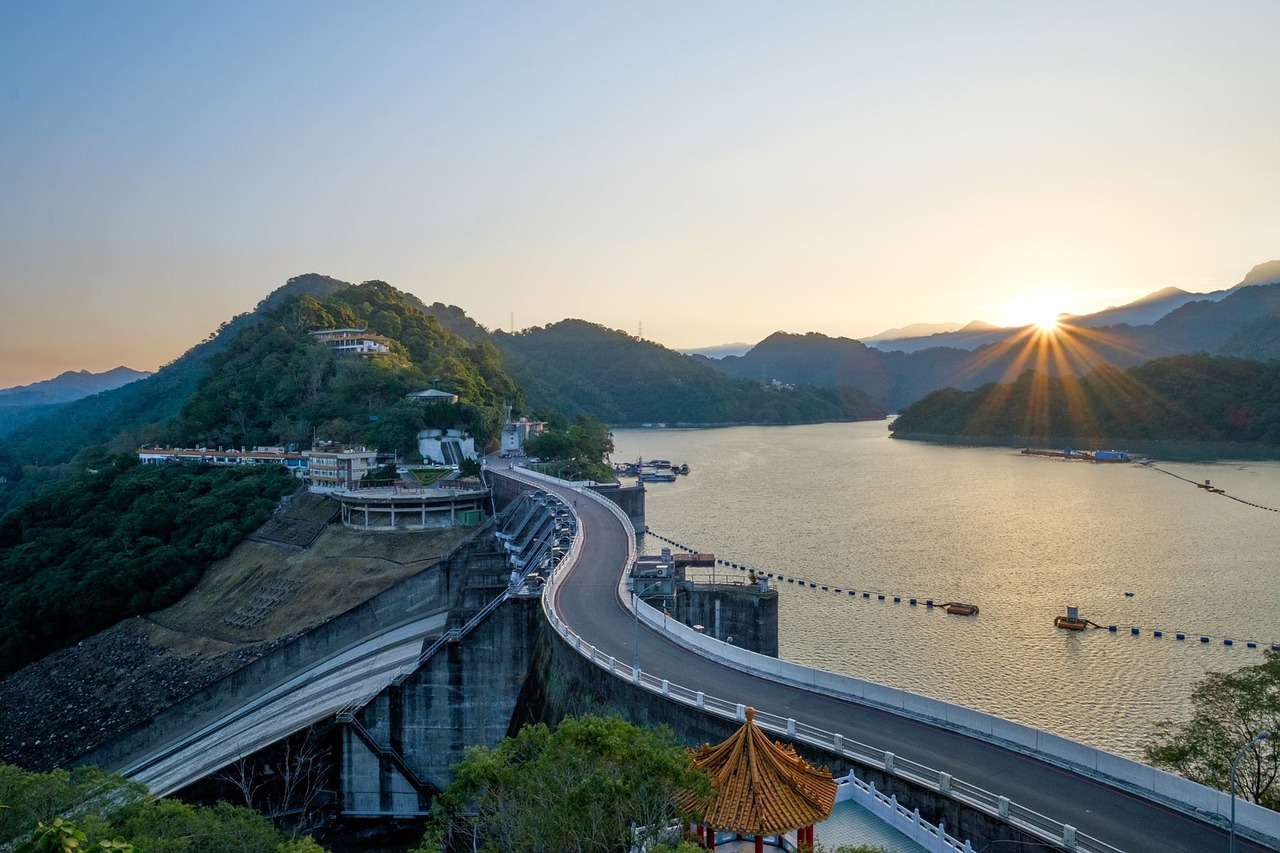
{"points": [[1260, 736], [635, 611]]}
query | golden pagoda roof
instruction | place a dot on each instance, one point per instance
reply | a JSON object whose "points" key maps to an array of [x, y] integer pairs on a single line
{"points": [[761, 787]]}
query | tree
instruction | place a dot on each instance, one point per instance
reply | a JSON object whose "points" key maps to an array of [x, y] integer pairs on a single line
{"points": [[1228, 709], [37, 799], [62, 836], [584, 447], [580, 787]]}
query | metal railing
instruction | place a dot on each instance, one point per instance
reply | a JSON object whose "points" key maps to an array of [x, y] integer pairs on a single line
{"points": [[1027, 820]]}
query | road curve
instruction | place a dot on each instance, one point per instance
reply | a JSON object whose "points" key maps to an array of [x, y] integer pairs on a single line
{"points": [[588, 602]]}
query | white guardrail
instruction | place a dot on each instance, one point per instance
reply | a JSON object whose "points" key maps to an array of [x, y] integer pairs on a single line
{"points": [[1175, 791]]}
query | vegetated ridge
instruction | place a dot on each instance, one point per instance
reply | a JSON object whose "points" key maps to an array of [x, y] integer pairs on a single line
{"points": [[1178, 398], [579, 367], [117, 540]]}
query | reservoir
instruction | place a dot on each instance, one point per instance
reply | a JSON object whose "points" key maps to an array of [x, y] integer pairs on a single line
{"points": [[844, 505]]}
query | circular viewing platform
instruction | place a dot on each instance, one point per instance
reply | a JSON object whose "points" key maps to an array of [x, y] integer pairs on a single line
{"points": [[400, 508]]}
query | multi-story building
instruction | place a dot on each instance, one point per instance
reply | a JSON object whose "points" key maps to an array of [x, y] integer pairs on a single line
{"points": [[355, 341], [335, 467]]}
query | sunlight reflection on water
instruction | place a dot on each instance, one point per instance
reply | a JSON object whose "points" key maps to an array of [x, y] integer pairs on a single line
{"points": [[845, 505]]}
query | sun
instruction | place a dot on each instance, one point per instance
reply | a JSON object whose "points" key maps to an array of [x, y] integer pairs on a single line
{"points": [[1047, 325]]}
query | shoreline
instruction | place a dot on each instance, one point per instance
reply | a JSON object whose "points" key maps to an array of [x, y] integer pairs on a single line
{"points": [[1180, 450]]}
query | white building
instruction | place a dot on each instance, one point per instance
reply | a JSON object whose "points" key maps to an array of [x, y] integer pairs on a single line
{"points": [[355, 341], [516, 433], [446, 446]]}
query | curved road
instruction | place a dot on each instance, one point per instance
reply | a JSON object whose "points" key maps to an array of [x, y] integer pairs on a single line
{"points": [[588, 601]]}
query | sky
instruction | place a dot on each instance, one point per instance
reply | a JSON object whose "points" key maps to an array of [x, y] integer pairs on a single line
{"points": [[700, 172]]}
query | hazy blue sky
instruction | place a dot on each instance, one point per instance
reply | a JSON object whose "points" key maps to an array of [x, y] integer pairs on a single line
{"points": [[716, 171]]}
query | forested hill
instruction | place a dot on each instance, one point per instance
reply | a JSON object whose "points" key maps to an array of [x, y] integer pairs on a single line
{"points": [[574, 367], [131, 412], [1180, 398], [274, 385], [131, 538]]}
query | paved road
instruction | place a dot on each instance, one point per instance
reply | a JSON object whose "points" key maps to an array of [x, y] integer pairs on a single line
{"points": [[587, 600]]}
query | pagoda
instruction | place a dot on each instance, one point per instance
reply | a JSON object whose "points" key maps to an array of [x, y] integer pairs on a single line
{"points": [[761, 790]]}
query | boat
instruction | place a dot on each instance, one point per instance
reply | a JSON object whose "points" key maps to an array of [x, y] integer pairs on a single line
{"points": [[1072, 620], [655, 475], [958, 608]]}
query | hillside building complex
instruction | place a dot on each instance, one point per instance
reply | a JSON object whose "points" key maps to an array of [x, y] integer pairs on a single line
{"points": [[354, 341]]}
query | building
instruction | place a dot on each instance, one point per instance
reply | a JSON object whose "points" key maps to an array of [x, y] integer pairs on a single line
{"points": [[399, 508], [446, 446], [354, 341], [762, 793], [432, 395], [515, 434], [335, 467], [295, 461]]}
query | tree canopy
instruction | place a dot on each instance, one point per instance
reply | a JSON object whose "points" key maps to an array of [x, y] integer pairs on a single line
{"points": [[577, 788], [113, 815], [117, 540], [1228, 709], [583, 449]]}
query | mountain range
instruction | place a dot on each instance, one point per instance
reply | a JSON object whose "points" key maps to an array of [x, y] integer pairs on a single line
{"points": [[1145, 311], [260, 379], [23, 404], [68, 386], [1243, 321], [576, 366]]}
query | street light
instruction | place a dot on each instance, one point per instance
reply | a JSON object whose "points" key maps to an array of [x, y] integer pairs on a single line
{"points": [[635, 611], [1231, 846]]}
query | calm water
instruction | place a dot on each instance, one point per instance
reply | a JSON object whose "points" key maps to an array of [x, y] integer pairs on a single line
{"points": [[845, 505]]}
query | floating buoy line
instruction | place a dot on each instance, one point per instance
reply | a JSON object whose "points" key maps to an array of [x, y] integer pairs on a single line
{"points": [[955, 608], [1070, 622], [1073, 621], [1208, 487]]}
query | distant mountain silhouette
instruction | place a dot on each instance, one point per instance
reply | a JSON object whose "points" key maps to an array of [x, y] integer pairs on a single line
{"points": [[1144, 311], [719, 351], [1243, 322], [1264, 273], [915, 330], [68, 386], [970, 336]]}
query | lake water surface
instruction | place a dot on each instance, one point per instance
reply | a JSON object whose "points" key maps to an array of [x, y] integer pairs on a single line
{"points": [[847, 506]]}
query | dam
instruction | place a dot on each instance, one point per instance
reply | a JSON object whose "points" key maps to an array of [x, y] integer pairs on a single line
{"points": [[407, 693]]}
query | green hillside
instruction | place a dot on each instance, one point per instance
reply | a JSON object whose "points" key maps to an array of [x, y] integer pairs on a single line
{"points": [[578, 367], [1180, 398], [274, 385], [117, 541]]}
